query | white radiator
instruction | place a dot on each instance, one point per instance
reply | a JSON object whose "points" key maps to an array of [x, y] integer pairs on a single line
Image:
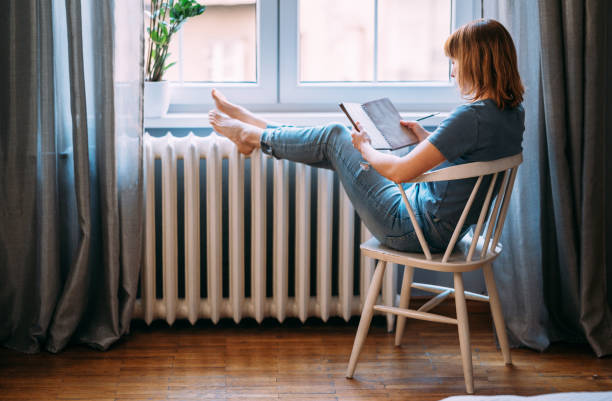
{"points": [[258, 305]]}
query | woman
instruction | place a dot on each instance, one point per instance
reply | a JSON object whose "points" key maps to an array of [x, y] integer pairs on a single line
{"points": [[489, 127]]}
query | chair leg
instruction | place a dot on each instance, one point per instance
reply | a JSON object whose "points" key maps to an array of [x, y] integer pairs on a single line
{"points": [[389, 288], [404, 303], [366, 317], [496, 311], [464, 333]]}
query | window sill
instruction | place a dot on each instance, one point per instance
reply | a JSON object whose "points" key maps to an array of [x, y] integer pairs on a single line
{"points": [[199, 120]]}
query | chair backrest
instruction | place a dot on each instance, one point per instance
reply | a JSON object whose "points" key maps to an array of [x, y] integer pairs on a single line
{"points": [[490, 221]]}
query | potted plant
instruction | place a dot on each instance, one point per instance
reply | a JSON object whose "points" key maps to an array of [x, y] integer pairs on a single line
{"points": [[165, 19]]}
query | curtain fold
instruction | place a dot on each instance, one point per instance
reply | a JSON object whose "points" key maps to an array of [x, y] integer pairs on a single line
{"points": [[555, 282], [70, 173], [518, 270], [573, 81]]}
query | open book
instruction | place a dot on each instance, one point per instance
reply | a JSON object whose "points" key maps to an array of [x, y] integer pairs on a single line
{"points": [[381, 120]]}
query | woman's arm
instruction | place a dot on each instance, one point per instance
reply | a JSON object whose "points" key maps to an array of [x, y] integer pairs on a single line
{"points": [[422, 158]]}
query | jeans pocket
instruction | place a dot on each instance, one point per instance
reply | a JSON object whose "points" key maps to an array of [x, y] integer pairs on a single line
{"points": [[438, 231], [408, 242]]}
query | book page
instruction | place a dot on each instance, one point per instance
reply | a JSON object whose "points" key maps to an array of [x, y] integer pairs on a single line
{"points": [[357, 113], [385, 116]]}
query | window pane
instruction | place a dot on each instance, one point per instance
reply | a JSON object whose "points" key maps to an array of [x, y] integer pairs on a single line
{"points": [[221, 44], [336, 40], [411, 35]]}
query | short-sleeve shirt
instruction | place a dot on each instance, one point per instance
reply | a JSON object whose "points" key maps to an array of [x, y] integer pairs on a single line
{"points": [[477, 131]]}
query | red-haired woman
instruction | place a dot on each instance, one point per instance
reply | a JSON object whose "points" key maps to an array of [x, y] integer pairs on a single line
{"points": [[490, 126]]}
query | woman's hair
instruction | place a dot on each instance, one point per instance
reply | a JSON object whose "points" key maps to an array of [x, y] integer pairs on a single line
{"points": [[487, 64]]}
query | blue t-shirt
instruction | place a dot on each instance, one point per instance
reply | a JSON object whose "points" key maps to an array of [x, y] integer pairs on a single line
{"points": [[477, 131]]}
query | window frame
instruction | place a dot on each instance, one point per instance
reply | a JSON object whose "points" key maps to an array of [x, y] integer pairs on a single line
{"points": [[278, 87], [407, 96], [186, 95]]}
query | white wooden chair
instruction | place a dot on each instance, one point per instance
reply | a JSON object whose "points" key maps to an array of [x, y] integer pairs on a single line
{"points": [[480, 254]]}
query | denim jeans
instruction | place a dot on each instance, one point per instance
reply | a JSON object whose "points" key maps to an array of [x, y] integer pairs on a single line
{"points": [[376, 199]]}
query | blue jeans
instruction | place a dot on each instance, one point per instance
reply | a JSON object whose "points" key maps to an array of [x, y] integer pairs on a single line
{"points": [[377, 200]]}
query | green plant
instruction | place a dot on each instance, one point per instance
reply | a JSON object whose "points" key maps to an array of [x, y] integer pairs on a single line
{"points": [[165, 19]]}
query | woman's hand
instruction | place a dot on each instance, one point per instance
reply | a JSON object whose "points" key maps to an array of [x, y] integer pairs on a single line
{"points": [[360, 138], [416, 129]]}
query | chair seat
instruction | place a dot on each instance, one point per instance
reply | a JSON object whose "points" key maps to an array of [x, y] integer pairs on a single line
{"points": [[456, 262]]}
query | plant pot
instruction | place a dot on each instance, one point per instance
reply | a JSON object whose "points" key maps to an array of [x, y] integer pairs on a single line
{"points": [[156, 98]]}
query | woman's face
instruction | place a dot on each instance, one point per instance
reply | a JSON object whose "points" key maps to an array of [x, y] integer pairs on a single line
{"points": [[453, 68]]}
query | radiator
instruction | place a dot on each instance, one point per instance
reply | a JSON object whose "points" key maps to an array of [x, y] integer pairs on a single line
{"points": [[259, 303]]}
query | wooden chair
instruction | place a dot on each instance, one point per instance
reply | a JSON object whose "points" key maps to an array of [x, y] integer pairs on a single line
{"points": [[479, 255]]}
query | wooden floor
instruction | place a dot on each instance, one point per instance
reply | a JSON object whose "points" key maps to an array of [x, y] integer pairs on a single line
{"points": [[293, 362]]}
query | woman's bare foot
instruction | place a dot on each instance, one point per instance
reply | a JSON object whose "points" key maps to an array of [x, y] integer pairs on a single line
{"points": [[245, 136], [235, 111]]}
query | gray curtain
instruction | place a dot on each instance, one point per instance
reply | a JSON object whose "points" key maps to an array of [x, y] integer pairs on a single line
{"points": [[554, 277], [70, 171]]}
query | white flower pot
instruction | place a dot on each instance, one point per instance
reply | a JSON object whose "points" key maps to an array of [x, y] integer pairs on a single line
{"points": [[156, 98]]}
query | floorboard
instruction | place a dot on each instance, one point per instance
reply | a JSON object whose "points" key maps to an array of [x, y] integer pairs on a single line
{"points": [[292, 361]]}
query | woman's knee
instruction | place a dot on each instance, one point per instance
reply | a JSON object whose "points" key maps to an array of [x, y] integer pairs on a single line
{"points": [[337, 132]]}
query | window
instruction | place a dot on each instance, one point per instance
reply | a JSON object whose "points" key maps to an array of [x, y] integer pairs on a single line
{"points": [[310, 54], [373, 41], [217, 46], [233, 46], [221, 44]]}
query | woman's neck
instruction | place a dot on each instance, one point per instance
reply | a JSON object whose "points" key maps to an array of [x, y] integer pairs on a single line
{"points": [[481, 98]]}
